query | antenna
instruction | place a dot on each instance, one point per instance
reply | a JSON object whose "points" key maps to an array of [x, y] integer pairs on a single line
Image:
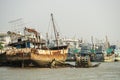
{"points": [[17, 25]]}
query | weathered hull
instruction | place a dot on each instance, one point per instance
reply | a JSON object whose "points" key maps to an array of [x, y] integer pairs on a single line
{"points": [[117, 58], [18, 54], [110, 58], [14, 60], [16, 57], [39, 57], [46, 57]]}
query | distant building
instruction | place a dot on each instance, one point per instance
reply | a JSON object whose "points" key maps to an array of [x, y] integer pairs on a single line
{"points": [[4, 39]]}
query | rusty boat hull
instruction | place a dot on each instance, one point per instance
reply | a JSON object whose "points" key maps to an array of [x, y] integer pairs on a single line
{"points": [[109, 58], [16, 57], [37, 57], [47, 58]]}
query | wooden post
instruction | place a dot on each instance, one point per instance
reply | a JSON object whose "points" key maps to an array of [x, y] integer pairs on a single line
{"points": [[52, 65], [23, 60]]}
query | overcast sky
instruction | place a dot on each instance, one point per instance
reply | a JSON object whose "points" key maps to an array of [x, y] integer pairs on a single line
{"points": [[74, 18]]}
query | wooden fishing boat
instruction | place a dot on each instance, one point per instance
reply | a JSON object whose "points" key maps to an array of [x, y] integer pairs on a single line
{"points": [[84, 61], [38, 54], [109, 58], [51, 56], [109, 55], [43, 57]]}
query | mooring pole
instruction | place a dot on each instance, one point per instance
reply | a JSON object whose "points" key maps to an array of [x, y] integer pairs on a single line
{"points": [[23, 60]]}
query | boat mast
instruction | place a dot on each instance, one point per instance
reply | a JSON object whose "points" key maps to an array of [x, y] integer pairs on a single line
{"points": [[55, 30], [92, 42], [107, 43]]}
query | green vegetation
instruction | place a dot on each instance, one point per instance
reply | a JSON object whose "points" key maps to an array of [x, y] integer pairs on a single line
{"points": [[1, 47]]}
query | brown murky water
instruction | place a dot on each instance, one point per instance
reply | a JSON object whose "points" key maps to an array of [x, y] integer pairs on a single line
{"points": [[106, 71]]}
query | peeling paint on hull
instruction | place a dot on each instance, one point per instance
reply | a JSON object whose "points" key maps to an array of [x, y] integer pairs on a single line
{"points": [[39, 57], [45, 57]]}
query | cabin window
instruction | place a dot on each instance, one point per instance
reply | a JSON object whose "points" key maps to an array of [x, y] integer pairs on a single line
{"points": [[19, 39]]}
